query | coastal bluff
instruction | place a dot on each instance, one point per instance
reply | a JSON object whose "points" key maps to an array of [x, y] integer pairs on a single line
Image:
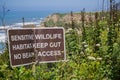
{"points": [[65, 19]]}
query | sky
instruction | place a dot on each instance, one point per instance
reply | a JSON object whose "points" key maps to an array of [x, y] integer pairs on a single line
{"points": [[70, 5]]}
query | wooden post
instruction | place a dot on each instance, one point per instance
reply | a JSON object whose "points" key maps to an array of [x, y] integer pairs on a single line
{"points": [[83, 22], [72, 21], [23, 20]]}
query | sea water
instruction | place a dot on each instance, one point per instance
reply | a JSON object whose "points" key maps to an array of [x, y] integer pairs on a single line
{"points": [[2, 41], [13, 17]]}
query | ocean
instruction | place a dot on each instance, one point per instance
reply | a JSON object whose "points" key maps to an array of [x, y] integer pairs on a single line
{"points": [[2, 41], [13, 17]]}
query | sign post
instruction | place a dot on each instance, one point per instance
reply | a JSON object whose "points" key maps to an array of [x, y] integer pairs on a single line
{"points": [[36, 45]]}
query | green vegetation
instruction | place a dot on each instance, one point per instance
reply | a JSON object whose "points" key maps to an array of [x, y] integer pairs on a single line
{"points": [[49, 23], [92, 55], [60, 14]]}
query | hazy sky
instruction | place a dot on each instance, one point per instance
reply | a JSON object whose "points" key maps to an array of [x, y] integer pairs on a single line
{"points": [[73, 5]]}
